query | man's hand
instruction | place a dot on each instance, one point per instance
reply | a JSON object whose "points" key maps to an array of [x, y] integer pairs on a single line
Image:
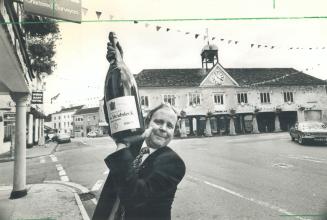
{"points": [[126, 142], [114, 50]]}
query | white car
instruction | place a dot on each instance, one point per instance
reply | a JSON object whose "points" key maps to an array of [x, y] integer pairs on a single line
{"points": [[91, 134]]}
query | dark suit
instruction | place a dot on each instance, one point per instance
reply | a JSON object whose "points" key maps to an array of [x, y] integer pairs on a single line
{"points": [[147, 195]]}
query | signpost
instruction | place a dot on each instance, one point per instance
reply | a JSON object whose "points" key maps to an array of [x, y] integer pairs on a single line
{"points": [[37, 98], [69, 10]]}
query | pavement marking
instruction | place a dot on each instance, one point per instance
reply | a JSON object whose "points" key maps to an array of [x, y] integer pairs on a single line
{"points": [[97, 185], [53, 158], [259, 202], [84, 214], [64, 178], [307, 158], [283, 165], [59, 167], [42, 160], [62, 173]]}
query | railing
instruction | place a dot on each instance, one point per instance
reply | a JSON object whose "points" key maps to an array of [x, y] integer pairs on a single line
{"points": [[11, 19]]}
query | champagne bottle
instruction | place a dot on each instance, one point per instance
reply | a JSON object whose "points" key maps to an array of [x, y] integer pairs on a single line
{"points": [[121, 97]]}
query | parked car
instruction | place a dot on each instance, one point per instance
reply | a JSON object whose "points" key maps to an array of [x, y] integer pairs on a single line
{"points": [[309, 131], [63, 138], [91, 134]]}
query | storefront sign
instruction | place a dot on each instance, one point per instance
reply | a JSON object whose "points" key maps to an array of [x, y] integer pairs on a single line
{"points": [[37, 98], [69, 10]]}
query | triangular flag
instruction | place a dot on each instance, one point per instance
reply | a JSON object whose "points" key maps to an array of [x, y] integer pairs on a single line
{"points": [[252, 45], [272, 47], [213, 38], [266, 46], [196, 36], [168, 29], [221, 39], [323, 48], [98, 14], [291, 48], [310, 48], [158, 28], [111, 17], [135, 22], [84, 10], [146, 25], [178, 30], [229, 41], [187, 32], [259, 46], [236, 42]]}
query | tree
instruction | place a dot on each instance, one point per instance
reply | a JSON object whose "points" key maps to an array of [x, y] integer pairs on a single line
{"points": [[41, 35]]}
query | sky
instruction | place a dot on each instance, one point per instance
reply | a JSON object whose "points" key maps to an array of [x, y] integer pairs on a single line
{"points": [[283, 24]]}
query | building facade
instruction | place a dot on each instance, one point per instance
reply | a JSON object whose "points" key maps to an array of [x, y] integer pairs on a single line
{"points": [[86, 120], [63, 120], [214, 100]]}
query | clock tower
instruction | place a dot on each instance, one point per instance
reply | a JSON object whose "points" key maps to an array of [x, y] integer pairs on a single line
{"points": [[209, 56]]}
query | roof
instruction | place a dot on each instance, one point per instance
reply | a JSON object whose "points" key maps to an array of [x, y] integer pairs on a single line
{"points": [[272, 77], [85, 111], [170, 77], [69, 109], [243, 76]]}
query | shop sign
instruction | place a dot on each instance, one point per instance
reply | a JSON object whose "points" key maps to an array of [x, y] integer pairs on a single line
{"points": [[37, 98], [69, 10]]}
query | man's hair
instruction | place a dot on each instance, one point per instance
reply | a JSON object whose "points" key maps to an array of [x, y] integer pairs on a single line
{"points": [[161, 106]]}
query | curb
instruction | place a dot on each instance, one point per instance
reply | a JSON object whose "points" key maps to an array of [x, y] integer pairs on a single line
{"points": [[8, 159]]}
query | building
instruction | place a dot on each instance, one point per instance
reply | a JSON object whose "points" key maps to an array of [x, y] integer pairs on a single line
{"points": [[214, 100], [86, 120], [17, 84], [63, 120]]}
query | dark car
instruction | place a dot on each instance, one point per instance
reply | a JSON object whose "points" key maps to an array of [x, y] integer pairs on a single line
{"points": [[63, 138], [309, 131]]}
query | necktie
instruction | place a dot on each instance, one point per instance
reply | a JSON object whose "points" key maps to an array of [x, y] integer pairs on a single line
{"points": [[120, 214], [138, 159]]}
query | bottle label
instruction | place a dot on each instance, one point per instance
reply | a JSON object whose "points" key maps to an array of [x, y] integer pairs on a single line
{"points": [[122, 114]]}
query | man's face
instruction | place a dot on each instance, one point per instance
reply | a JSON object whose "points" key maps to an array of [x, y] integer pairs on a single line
{"points": [[163, 124]]}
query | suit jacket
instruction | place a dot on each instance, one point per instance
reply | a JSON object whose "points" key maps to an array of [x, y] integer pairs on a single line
{"points": [[147, 195]]}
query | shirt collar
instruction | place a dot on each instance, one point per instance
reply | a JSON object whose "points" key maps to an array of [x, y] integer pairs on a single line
{"points": [[150, 148]]}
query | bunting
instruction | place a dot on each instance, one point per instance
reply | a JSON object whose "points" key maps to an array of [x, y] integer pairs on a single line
{"points": [[196, 35], [98, 14]]}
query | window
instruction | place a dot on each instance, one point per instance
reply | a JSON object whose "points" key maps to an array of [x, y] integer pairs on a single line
{"points": [[54, 125], [59, 125], [54, 118], [194, 99], [242, 98], [265, 97], [218, 99], [170, 99], [59, 117], [94, 117], [288, 97], [145, 101]]}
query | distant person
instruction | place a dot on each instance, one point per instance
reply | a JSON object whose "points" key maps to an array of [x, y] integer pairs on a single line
{"points": [[143, 175]]}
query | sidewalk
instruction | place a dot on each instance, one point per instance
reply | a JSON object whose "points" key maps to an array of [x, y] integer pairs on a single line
{"points": [[43, 201], [35, 151]]}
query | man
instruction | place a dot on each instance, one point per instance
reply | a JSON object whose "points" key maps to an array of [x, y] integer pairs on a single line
{"points": [[144, 192]]}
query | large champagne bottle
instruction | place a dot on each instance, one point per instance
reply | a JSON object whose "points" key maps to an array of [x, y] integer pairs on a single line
{"points": [[121, 97]]}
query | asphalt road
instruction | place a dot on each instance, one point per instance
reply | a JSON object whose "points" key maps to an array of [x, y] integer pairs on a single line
{"points": [[264, 176]]}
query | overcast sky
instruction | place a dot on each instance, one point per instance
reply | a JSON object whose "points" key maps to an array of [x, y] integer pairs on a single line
{"points": [[82, 67]]}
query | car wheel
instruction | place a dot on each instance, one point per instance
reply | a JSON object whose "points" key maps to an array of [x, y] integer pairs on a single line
{"points": [[300, 140]]}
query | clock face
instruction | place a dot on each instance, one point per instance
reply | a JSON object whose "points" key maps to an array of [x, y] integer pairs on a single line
{"points": [[217, 77]]}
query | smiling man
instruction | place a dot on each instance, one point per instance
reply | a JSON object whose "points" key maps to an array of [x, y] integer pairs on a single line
{"points": [[143, 180]]}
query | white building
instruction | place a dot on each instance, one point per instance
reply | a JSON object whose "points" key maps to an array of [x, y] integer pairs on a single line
{"points": [[63, 120]]}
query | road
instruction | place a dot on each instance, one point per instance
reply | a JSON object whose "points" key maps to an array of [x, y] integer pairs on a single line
{"points": [[264, 176]]}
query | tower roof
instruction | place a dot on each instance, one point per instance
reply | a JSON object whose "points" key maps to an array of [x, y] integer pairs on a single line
{"points": [[209, 47]]}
